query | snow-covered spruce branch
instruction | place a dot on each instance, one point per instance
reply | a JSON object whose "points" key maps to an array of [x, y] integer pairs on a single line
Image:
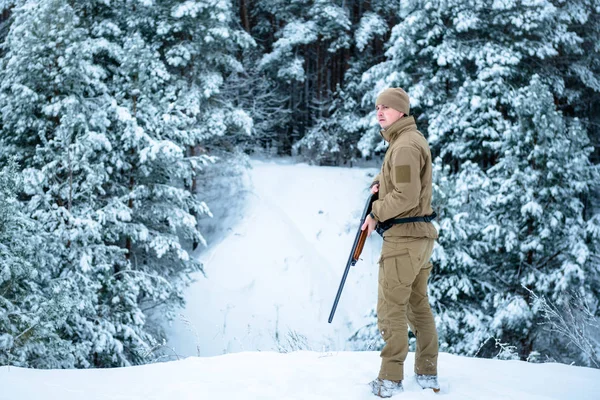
{"points": [[27, 330], [160, 278]]}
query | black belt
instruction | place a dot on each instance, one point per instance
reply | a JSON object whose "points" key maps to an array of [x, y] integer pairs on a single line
{"points": [[385, 225]]}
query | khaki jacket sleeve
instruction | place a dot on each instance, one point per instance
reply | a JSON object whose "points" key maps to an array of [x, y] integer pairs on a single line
{"points": [[406, 181]]}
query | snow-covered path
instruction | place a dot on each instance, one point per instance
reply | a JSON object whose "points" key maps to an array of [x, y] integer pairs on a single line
{"points": [[270, 284], [299, 376]]}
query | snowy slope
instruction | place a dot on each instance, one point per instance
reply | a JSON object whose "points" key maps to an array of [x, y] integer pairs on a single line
{"points": [[270, 284], [301, 376]]}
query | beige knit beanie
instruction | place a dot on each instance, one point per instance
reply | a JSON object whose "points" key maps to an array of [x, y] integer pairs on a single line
{"points": [[395, 98]]}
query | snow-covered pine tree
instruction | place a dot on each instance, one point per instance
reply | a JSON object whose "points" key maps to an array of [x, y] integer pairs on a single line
{"points": [[200, 49], [315, 37], [103, 104], [55, 115], [460, 279], [30, 309], [334, 138], [539, 239], [170, 100], [266, 98], [299, 72]]}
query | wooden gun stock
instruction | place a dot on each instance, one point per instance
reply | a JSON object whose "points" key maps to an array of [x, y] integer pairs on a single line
{"points": [[359, 246]]}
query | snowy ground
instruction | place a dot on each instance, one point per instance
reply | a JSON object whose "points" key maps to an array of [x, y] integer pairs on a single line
{"points": [[269, 286], [271, 282], [298, 375]]}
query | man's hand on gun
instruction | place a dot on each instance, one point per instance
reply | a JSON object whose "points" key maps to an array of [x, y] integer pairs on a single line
{"points": [[370, 223]]}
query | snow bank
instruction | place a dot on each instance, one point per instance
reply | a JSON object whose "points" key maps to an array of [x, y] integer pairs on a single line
{"points": [[299, 375]]}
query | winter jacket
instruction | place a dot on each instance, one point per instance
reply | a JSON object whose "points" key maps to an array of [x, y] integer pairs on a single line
{"points": [[405, 180]]}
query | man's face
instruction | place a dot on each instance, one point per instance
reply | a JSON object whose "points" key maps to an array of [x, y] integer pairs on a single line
{"points": [[386, 116]]}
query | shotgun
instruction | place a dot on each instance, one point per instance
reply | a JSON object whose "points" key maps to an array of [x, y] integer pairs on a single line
{"points": [[357, 247]]}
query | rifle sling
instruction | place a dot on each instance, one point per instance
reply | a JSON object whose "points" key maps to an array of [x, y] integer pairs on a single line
{"points": [[385, 225]]}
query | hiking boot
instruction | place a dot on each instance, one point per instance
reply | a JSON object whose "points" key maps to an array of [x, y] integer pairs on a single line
{"points": [[385, 388], [428, 382]]}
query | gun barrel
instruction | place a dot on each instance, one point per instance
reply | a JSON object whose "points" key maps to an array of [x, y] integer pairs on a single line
{"points": [[357, 246]]}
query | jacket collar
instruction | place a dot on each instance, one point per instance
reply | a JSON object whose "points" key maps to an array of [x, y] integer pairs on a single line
{"points": [[398, 128]]}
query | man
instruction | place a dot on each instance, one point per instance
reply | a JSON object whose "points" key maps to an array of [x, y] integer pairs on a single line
{"points": [[404, 186]]}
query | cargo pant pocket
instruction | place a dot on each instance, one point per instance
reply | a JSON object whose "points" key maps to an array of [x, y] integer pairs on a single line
{"points": [[399, 270]]}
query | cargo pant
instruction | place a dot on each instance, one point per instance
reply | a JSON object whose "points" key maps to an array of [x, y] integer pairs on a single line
{"points": [[404, 268]]}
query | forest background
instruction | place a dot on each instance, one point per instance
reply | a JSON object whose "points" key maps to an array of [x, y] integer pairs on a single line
{"points": [[122, 121]]}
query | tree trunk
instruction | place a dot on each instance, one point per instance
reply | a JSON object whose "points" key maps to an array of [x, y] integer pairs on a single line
{"points": [[128, 242], [244, 15]]}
